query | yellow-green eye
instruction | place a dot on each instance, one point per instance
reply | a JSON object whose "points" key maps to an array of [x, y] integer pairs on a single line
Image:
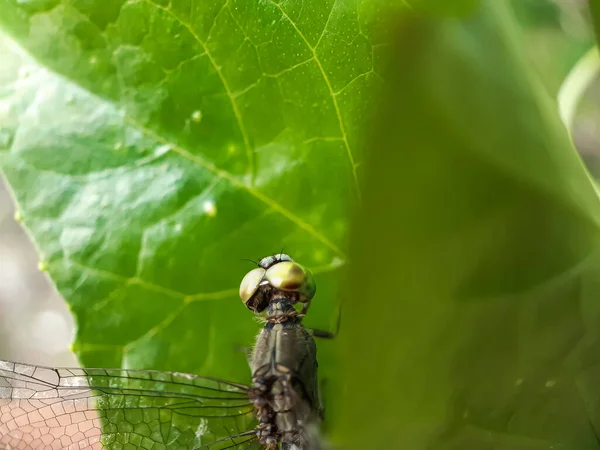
{"points": [[250, 283], [292, 277]]}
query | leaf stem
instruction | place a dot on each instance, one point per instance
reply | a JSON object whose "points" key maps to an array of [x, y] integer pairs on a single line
{"points": [[575, 84]]}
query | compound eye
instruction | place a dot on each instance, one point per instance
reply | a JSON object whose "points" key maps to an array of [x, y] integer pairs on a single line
{"points": [[269, 261], [292, 277], [250, 284]]}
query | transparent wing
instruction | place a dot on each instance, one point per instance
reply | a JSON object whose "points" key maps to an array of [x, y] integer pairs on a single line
{"points": [[47, 408]]}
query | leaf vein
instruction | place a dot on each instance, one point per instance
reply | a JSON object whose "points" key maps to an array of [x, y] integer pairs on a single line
{"points": [[326, 24], [128, 280], [232, 99], [331, 92], [237, 183], [156, 328], [215, 295], [354, 80]]}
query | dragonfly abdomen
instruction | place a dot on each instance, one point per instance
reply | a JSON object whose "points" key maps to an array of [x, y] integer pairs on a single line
{"points": [[284, 375]]}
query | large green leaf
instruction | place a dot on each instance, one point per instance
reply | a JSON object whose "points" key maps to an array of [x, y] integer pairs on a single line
{"points": [[169, 140], [475, 264]]}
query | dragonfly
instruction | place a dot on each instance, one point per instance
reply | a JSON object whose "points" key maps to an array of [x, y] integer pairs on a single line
{"points": [[83, 408]]}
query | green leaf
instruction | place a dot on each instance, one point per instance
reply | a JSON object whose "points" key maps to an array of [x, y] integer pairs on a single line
{"points": [[153, 145], [475, 281]]}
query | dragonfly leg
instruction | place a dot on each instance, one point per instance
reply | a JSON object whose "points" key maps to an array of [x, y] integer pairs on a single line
{"points": [[328, 334], [322, 384], [322, 333]]}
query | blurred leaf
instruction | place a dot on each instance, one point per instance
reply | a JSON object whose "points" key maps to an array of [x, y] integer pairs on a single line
{"points": [[594, 6], [163, 142], [554, 37], [442, 7], [535, 13], [475, 264]]}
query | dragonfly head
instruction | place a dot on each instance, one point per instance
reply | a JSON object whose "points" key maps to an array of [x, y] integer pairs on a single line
{"points": [[277, 274]]}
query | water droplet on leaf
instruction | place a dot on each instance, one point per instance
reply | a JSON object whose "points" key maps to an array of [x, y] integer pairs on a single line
{"points": [[209, 208], [197, 116]]}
